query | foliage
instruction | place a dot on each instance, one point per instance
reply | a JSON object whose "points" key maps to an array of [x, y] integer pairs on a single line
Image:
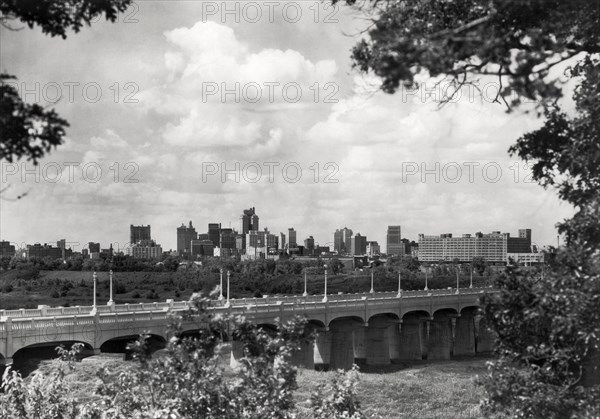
{"points": [[56, 18], [28, 130], [341, 398], [517, 42]]}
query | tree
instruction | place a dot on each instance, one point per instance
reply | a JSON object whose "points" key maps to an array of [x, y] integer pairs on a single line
{"points": [[547, 325], [478, 263], [28, 130]]}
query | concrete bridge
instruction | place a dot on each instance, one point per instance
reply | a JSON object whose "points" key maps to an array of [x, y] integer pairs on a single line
{"points": [[373, 328]]}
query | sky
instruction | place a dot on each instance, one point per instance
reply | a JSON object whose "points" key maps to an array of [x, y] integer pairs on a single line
{"points": [[193, 111]]}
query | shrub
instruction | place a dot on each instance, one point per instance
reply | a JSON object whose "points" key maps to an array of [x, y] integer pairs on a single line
{"points": [[7, 288], [135, 294]]}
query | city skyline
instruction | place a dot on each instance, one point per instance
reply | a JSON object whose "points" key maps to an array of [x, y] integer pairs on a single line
{"points": [[162, 144]]}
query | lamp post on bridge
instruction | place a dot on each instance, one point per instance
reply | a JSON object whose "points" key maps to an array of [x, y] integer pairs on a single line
{"points": [[94, 276], [227, 304], [471, 284], [426, 289], [221, 285], [305, 291], [457, 281], [325, 295], [399, 284], [372, 289], [110, 278]]}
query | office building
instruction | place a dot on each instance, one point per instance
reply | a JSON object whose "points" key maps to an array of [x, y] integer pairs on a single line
{"points": [[521, 244], [248, 221], [185, 235], [227, 238], [491, 247], [138, 233], [373, 249], [201, 247], [358, 245], [342, 241], [94, 247], [292, 244], [39, 251], [214, 234], [309, 246], [7, 249], [394, 247], [144, 249], [283, 243]]}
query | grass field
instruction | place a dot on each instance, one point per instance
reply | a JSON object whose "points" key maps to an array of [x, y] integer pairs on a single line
{"points": [[420, 390]]}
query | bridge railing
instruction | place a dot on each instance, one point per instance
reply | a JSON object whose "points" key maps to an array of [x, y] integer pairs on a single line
{"points": [[44, 311]]}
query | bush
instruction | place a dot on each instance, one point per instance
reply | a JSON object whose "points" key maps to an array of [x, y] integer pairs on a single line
{"points": [[135, 294], [7, 288], [55, 294]]}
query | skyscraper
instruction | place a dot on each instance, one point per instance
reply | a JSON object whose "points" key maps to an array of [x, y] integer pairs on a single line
{"points": [[214, 234], [137, 233], [309, 245], [248, 221], [292, 238], [185, 235], [394, 241], [359, 245], [342, 240]]}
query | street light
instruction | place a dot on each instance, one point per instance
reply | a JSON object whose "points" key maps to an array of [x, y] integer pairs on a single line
{"points": [[471, 284], [227, 302], [426, 289], [399, 284], [110, 274], [94, 305], [325, 295], [372, 289], [457, 281], [221, 285], [305, 291]]}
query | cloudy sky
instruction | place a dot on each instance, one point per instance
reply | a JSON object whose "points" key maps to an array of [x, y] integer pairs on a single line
{"points": [[164, 102]]}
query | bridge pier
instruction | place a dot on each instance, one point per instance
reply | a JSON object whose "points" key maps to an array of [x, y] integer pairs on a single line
{"points": [[440, 337], [342, 343], [412, 337], [378, 341], [322, 350], [485, 337], [360, 345], [304, 357], [464, 335]]}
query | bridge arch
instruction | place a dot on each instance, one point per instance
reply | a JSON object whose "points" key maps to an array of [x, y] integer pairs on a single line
{"points": [[119, 344], [47, 350], [351, 318]]}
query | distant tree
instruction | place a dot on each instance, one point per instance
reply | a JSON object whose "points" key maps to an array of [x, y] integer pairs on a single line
{"points": [[479, 264]]}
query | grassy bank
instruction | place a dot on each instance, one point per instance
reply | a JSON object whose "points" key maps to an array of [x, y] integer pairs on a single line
{"points": [[419, 390]]}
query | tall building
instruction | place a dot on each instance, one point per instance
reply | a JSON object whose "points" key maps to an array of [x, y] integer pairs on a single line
{"points": [[282, 241], [359, 245], [94, 247], [227, 238], [292, 244], [521, 244], [309, 245], [214, 234], [491, 247], [137, 233], [342, 241], [394, 241], [373, 248], [185, 235], [248, 221]]}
